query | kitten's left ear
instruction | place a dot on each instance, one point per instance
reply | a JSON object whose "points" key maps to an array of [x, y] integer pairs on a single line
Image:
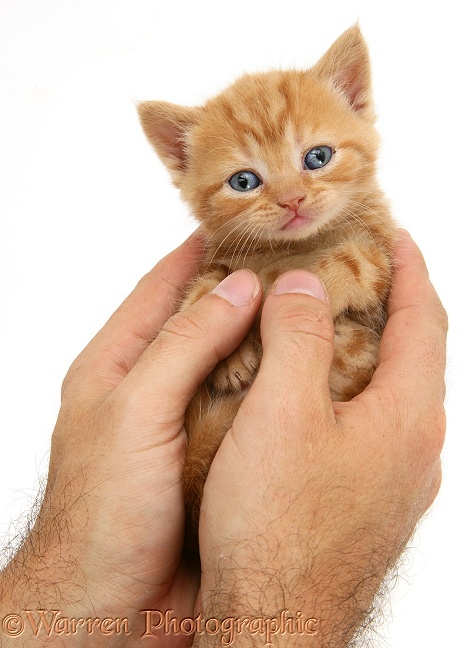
{"points": [[167, 127], [346, 65]]}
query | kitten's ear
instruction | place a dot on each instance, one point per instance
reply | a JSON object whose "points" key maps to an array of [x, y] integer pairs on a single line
{"points": [[346, 65], [167, 127]]}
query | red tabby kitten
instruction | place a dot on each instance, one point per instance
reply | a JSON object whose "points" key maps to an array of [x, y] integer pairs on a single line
{"points": [[280, 171]]}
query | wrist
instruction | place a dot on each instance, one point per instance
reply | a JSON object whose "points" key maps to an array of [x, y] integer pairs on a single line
{"points": [[46, 599], [36, 617], [300, 592]]}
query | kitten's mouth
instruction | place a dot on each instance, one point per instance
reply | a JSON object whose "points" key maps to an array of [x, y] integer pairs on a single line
{"points": [[295, 221]]}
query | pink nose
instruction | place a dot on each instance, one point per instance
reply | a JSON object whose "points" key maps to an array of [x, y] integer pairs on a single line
{"points": [[292, 201]]}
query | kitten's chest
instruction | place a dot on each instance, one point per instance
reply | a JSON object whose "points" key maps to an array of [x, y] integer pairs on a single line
{"points": [[267, 264], [263, 260]]}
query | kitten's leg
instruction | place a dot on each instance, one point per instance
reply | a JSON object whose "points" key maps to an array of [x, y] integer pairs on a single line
{"points": [[204, 284], [238, 370], [355, 358]]}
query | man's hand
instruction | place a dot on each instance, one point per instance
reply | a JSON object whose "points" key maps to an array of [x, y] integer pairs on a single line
{"points": [[109, 536], [308, 503]]}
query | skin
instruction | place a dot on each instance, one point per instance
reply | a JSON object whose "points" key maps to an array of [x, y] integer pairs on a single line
{"points": [[308, 503]]}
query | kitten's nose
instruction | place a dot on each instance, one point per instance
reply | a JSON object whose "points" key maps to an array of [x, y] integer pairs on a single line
{"points": [[292, 201]]}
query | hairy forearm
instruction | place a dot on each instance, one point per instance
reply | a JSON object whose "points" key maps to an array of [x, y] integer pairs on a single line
{"points": [[313, 598], [40, 606], [41, 576], [44, 591]]}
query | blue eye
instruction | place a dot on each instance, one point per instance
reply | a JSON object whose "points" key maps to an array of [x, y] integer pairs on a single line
{"points": [[245, 181], [317, 157]]}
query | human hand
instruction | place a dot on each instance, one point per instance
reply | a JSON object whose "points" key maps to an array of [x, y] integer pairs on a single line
{"points": [[308, 503], [108, 539]]}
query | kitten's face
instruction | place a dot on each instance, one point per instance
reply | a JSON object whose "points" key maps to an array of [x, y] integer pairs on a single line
{"points": [[276, 156]]}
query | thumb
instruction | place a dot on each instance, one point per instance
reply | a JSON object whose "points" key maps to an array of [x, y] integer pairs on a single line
{"points": [[298, 342], [162, 383]]}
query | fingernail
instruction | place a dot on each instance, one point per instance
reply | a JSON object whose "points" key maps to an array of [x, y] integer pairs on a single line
{"points": [[300, 281], [239, 288]]}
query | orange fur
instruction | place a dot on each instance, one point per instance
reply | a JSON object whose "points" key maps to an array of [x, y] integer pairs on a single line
{"points": [[331, 220]]}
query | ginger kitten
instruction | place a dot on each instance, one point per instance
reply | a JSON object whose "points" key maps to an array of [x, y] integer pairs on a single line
{"points": [[279, 169]]}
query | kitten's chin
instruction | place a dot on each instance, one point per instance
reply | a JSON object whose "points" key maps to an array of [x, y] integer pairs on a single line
{"points": [[297, 226], [304, 223], [297, 223]]}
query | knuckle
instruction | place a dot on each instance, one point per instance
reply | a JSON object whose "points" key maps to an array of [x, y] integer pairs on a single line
{"points": [[72, 381], [437, 431], [187, 326], [434, 484], [439, 314], [306, 322], [442, 317], [431, 431], [190, 329]]}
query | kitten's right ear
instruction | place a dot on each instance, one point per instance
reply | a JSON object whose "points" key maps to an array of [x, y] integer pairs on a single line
{"points": [[167, 127]]}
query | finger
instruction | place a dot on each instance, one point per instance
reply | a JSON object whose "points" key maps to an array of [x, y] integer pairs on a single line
{"points": [[189, 345], [136, 323], [297, 337], [410, 376]]}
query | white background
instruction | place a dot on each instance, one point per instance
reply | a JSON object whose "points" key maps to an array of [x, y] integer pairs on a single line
{"points": [[86, 209]]}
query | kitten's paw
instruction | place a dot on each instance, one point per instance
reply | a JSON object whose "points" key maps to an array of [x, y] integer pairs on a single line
{"points": [[238, 370]]}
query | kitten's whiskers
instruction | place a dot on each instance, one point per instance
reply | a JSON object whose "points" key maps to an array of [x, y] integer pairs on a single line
{"points": [[238, 246], [214, 234], [244, 248]]}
